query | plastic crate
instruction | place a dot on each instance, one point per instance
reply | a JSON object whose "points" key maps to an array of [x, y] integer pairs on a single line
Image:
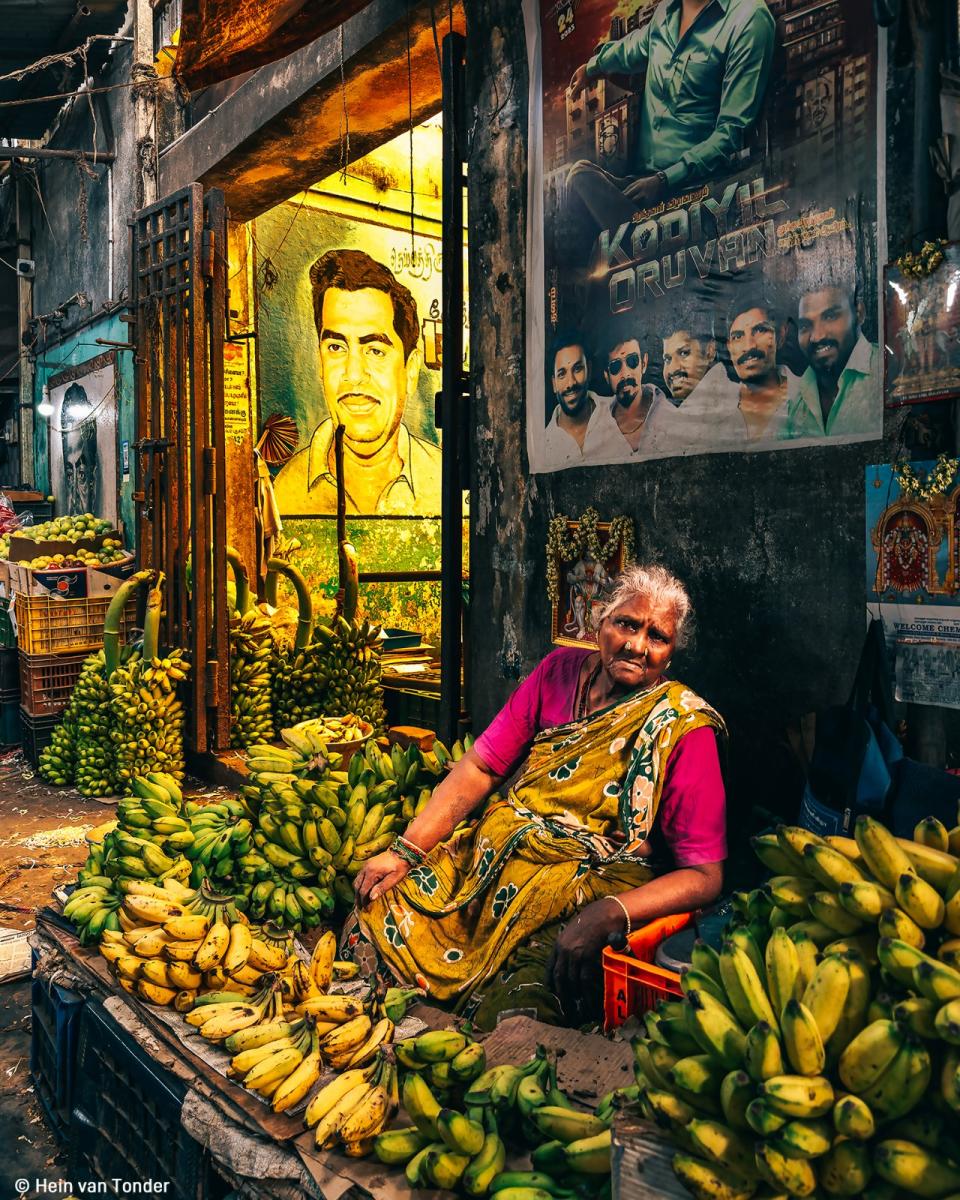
{"points": [[46, 681], [632, 983], [9, 671], [7, 637], [54, 1024], [36, 733], [407, 707], [46, 625], [125, 1121], [10, 718]]}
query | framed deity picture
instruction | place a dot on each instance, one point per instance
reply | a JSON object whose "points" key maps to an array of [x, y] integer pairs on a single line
{"points": [[922, 332], [583, 581], [82, 438]]}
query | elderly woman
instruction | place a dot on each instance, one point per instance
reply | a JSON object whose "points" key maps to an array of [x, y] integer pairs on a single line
{"points": [[616, 816]]}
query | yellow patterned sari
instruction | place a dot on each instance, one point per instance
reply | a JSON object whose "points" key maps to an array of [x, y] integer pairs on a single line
{"points": [[568, 833]]}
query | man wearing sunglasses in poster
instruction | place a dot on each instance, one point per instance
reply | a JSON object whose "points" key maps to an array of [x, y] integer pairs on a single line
{"points": [[639, 416]]}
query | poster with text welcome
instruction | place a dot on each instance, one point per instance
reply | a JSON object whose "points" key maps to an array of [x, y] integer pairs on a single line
{"points": [[702, 237]]}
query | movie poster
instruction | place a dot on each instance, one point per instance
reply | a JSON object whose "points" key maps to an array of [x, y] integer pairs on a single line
{"points": [[702, 229], [83, 439]]}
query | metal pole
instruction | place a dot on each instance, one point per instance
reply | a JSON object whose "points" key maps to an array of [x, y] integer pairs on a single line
{"points": [[451, 405], [9, 153], [25, 412]]}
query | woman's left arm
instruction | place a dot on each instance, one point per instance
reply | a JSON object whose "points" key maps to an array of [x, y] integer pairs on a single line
{"points": [[576, 959]]}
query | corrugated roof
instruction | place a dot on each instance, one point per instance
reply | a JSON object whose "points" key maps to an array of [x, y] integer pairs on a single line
{"points": [[35, 29]]}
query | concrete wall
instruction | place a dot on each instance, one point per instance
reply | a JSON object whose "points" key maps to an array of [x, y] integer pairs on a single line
{"points": [[78, 348], [771, 546]]}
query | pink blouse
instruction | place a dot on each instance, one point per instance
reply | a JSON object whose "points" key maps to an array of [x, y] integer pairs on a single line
{"points": [[691, 819]]}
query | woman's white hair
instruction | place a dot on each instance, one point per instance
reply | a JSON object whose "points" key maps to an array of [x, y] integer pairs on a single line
{"points": [[661, 589]]}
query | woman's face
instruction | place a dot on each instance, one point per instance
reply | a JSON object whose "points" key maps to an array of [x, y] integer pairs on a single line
{"points": [[636, 641]]}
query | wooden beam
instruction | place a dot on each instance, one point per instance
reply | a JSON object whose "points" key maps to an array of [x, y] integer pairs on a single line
{"points": [[280, 131]]}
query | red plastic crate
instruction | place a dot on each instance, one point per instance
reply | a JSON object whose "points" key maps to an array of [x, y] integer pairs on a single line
{"points": [[47, 681], [632, 983]]}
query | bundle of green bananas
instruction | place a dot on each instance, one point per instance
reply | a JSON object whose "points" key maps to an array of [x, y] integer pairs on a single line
{"points": [[338, 673], [218, 835], [250, 702], [81, 750], [451, 1149], [147, 727], [352, 661], [93, 908], [818, 1052]]}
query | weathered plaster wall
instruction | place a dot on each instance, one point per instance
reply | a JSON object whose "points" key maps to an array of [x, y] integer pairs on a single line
{"points": [[770, 545], [78, 348]]}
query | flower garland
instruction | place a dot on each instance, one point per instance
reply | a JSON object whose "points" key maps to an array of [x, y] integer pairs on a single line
{"points": [[936, 483], [924, 262], [584, 540]]}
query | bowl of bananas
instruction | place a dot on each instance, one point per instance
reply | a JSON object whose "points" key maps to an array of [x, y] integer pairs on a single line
{"points": [[340, 735]]}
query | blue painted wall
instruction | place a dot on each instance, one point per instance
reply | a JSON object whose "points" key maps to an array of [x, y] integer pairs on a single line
{"points": [[71, 352]]}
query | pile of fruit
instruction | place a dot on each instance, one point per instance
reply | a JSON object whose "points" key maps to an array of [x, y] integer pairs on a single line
{"points": [[314, 834], [251, 713], [338, 673], [111, 551], [61, 529], [818, 1052], [81, 749], [466, 1116]]}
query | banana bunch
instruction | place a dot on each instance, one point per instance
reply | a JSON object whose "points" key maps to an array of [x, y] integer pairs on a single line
{"points": [[352, 663], [81, 750], [818, 1051], [250, 702], [217, 836], [451, 1149], [220, 1016], [147, 725], [92, 908], [448, 1060], [353, 1110], [279, 1061], [298, 683]]}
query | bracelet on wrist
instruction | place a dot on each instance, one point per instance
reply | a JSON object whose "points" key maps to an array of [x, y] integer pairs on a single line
{"points": [[623, 908], [409, 851]]}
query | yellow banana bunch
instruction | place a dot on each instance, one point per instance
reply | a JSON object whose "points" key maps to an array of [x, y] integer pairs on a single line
{"points": [[355, 1108]]}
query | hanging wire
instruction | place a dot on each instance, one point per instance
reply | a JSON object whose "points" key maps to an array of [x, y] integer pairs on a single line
{"points": [[67, 56]]}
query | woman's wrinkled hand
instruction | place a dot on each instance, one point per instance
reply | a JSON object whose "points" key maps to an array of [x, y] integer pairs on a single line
{"points": [[576, 965], [379, 875]]}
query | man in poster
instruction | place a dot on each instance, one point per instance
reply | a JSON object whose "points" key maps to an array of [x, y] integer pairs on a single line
{"points": [[639, 415], [838, 392], [369, 331], [707, 64], [568, 427], [689, 355], [81, 461]]}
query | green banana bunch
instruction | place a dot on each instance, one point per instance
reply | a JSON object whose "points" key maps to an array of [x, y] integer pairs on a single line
{"points": [[147, 725], [81, 750], [251, 712]]}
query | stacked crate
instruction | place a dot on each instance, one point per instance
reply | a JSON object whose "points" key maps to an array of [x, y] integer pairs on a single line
{"points": [[54, 639]]}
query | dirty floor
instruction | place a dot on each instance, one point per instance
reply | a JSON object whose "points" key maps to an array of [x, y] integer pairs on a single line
{"points": [[41, 846]]}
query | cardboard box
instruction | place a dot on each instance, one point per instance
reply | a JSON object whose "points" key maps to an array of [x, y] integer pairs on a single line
{"points": [[70, 583], [22, 549]]}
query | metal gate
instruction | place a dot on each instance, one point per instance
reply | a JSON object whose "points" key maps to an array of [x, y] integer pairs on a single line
{"points": [[178, 293]]}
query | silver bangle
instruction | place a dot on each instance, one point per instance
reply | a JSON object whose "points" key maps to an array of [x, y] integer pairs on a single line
{"points": [[623, 907]]}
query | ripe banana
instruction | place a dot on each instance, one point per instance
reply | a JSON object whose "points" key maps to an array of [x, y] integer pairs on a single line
{"points": [[709, 1180], [805, 1096], [915, 1169], [715, 1029], [802, 1039]]}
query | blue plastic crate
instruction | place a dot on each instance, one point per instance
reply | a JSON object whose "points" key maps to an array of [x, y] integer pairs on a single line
{"points": [[125, 1122], [54, 1026]]}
